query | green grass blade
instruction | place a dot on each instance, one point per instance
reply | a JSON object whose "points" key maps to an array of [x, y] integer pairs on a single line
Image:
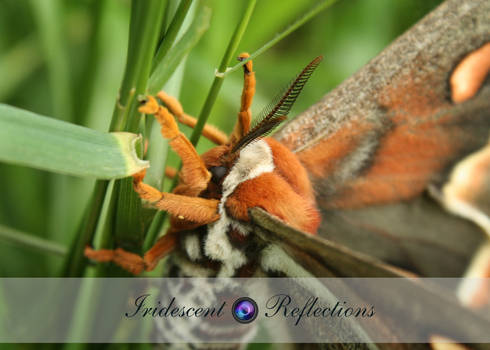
{"points": [[146, 20], [75, 262], [45, 143], [298, 23], [26, 240], [172, 32], [164, 68], [18, 64], [49, 16]]}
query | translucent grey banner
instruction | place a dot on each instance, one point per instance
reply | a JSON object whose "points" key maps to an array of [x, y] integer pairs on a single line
{"points": [[272, 310]]}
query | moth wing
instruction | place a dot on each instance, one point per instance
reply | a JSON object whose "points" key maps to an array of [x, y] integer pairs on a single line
{"points": [[373, 145], [299, 254], [390, 129], [321, 258]]}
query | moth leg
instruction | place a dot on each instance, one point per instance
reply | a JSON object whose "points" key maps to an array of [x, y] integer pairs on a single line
{"points": [[196, 209], [242, 125], [194, 173], [134, 263], [162, 247], [128, 261], [210, 132]]}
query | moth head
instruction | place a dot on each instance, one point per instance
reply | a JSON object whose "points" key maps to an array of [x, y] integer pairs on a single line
{"points": [[220, 159]]}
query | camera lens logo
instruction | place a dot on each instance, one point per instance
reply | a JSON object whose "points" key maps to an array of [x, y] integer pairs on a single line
{"points": [[245, 310]]}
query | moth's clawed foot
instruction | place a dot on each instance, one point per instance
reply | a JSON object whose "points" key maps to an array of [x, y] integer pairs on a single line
{"points": [[139, 176], [243, 56], [248, 66], [148, 105]]}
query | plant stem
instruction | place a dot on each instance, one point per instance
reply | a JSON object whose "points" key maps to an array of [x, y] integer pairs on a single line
{"points": [[18, 64], [172, 32], [27, 240], [302, 20], [86, 86], [75, 262], [167, 65], [48, 15], [146, 21], [145, 17], [154, 229], [218, 81]]}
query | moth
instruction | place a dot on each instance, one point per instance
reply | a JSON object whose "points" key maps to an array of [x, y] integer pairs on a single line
{"points": [[210, 225], [378, 151], [371, 148]]}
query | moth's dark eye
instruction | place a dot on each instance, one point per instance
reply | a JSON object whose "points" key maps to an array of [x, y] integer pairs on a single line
{"points": [[217, 173]]}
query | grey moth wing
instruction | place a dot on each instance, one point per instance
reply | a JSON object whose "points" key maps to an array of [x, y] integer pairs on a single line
{"points": [[321, 258]]}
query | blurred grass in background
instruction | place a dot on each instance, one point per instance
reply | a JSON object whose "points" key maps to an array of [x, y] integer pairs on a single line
{"points": [[66, 59]]}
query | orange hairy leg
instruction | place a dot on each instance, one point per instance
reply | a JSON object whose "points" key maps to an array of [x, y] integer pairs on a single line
{"points": [[194, 177], [133, 262], [245, 115], [129, 261], [198, 210], [194, 174], [210, 132]]}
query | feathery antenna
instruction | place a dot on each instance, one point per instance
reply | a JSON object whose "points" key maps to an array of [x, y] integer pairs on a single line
{"points": [[276, 112]]}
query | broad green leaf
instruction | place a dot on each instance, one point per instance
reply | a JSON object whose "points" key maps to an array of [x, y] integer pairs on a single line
{"points": [[45, 143]]}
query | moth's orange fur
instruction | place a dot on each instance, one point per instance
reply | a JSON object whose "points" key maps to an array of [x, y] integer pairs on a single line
{"points": [[290, 168], [286, 192], [209, 131]]}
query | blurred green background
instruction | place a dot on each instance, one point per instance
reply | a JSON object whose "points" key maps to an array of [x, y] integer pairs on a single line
{"points": [[66, 59]]}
